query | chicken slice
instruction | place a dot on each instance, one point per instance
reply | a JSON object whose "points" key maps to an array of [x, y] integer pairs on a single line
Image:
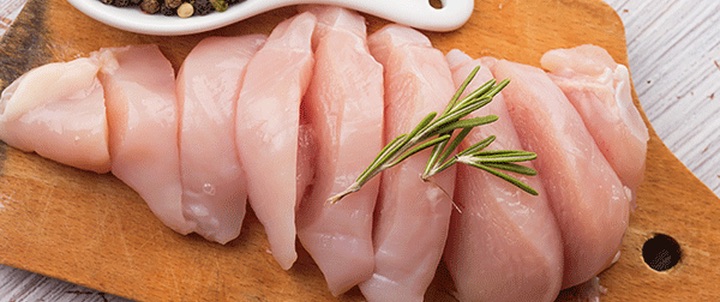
{"points": [[58, 111], [139, 85], [412, 218], [599, 89], [344, 106], [268, 113], [208, 85], [503, 236], [587, 198]]}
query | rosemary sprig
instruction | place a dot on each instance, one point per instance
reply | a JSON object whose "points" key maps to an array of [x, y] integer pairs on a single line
{"points": [[437, 131]]}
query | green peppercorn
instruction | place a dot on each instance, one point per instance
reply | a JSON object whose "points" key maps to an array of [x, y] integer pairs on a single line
{"points": [[150, 6], [219, 5]]}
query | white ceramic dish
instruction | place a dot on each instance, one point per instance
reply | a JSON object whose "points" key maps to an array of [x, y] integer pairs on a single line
{"points": [[416, 13]]}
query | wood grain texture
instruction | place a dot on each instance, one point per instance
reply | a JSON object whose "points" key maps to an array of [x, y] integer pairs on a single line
{"points": [[92, 230]]}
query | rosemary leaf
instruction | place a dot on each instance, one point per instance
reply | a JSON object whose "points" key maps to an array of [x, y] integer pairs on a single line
{"points": [[497, 88], [505, 177], [479, 146], [512, 167], [419, 148], [461, 90], [468, 123], [505, 159], [385, 153], [423, 124], [434, 157], [455, 143], [480, 91]]}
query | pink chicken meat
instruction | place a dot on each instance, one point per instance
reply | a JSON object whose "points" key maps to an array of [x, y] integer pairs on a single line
{"points": [[587, 198], [344, 106], [139, 85], [208, 84], [58, 111], [599, 89], [268, 119], [505, 245], [413, 216]]}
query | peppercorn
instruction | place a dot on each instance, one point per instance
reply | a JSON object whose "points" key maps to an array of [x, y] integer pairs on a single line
{"points": [[121, 3], [173, 3], [203, 7], [185, 10], [107, 1], [219, 5], [150, 6], [166, 10]]}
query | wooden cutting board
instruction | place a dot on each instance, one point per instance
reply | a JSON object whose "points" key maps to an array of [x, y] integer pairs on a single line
{"points": [[93, 230]]}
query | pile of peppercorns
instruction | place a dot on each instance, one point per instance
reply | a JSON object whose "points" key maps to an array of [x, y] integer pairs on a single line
{"points": [[179, 8]]}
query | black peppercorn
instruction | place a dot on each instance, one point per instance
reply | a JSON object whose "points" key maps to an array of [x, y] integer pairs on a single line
{"points": [[173, 3], [150, 6], [166, 10], [121, 3], [203, 7]]}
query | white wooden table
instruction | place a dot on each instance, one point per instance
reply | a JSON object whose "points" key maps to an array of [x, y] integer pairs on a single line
{"points": [[674, 49]]}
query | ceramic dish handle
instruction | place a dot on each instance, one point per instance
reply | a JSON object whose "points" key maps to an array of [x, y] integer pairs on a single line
{"points": [[416, 13]]}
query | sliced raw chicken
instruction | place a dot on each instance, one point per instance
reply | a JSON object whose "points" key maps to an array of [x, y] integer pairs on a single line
{"points": [[344, 105], [588, 200], [142, 111], [267, 124], [208, 85], [505, 245], [58, 111], [412, 219], [599, 89]]}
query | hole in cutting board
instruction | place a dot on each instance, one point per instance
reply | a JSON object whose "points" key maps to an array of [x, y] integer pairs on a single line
{"points": [[436, 4], [661, 252]]}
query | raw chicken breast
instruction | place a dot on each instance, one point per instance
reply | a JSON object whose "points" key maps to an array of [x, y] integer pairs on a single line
{"points": [[142, 111], [213, 181], [58, 111], [344, 105], [412, 219], [588, 199], [267, 124], [505, 245], [599, 89]]}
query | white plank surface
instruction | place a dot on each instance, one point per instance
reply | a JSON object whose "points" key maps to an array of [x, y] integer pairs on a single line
{"points": [[674, 50]]}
